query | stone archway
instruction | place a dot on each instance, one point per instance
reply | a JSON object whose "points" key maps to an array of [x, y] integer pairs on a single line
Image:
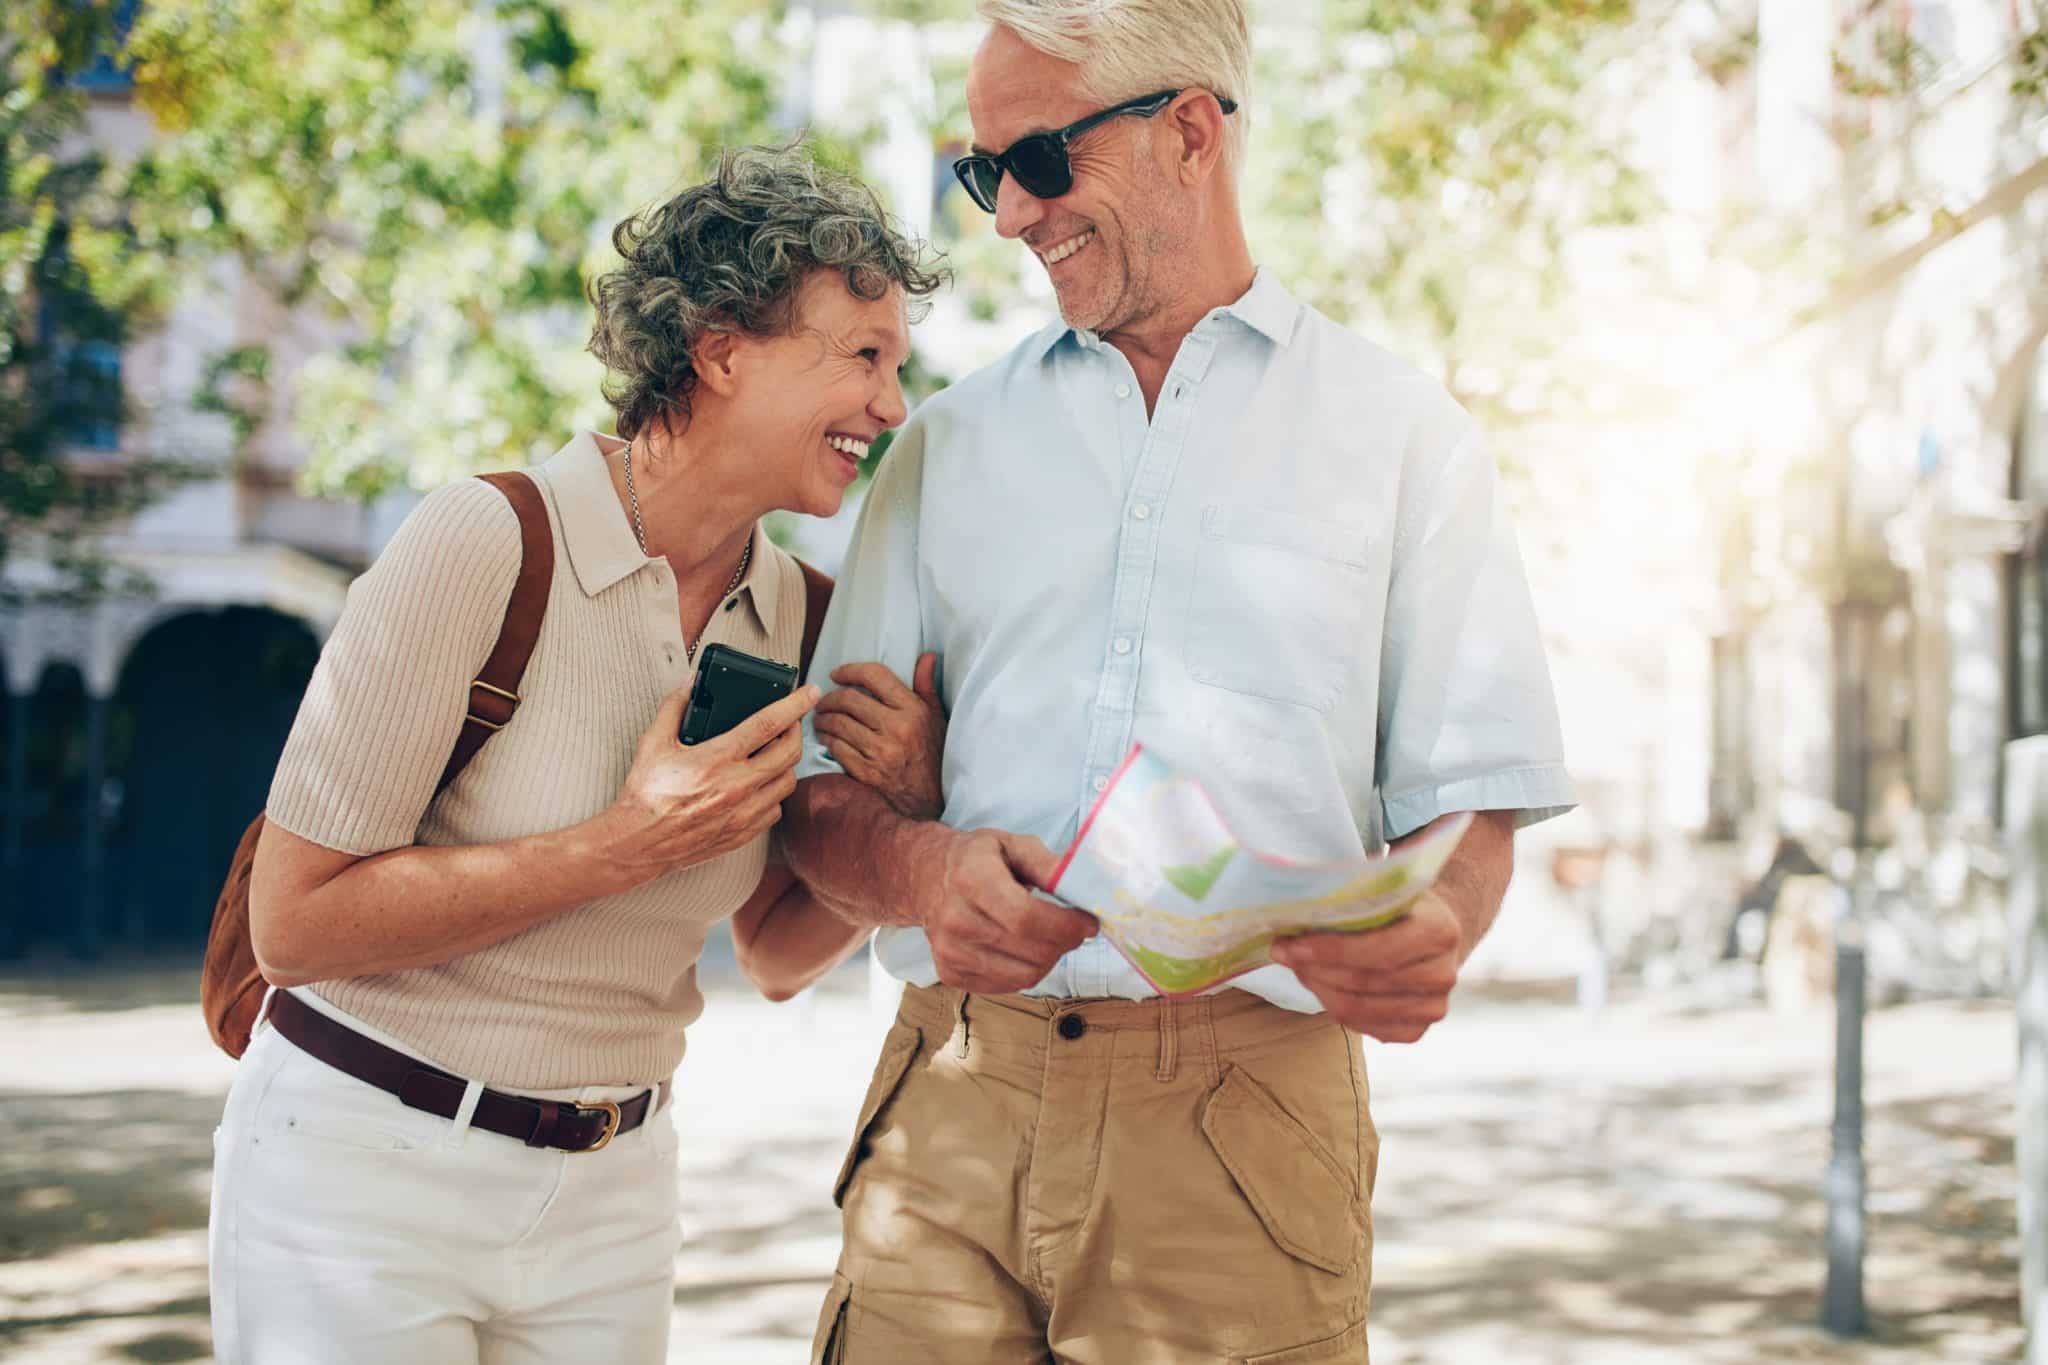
{"points": [[200, 713], [47, 826]]}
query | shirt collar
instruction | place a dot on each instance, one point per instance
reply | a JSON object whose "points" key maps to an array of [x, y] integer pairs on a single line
{"points": [[1267, 308], [598, 532], [595, 529]]}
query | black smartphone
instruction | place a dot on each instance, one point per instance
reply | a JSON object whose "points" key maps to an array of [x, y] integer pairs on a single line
{"points": [[731, 685]]}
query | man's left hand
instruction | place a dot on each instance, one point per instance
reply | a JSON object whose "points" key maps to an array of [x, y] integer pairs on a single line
{"points": [[888, 736], [1391, 983]]}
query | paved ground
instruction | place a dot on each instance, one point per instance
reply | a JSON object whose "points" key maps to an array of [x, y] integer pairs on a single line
{"points": [[1553, 1190]]}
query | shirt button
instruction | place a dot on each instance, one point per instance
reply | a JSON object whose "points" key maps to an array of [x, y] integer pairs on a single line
{"points": [[1122, 391], [1141, 511], [730, 605], [1101, 784], [1072, 1026], [1123, 645]]}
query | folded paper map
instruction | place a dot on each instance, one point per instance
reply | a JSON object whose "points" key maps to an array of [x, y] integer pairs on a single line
{"points": [[1192, 907]]}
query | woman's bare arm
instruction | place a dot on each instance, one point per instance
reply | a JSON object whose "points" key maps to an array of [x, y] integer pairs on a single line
{"points": [[317, 913], [786, 939]]}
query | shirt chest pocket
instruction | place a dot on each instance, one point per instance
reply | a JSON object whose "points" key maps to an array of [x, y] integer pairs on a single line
{"points": [[1277, 604]]}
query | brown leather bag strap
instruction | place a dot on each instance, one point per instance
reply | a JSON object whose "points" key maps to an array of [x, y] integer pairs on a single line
{"points": [[494, 695], [817, 597]]}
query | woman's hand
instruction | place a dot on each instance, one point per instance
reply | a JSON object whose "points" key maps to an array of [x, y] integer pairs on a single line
{"points": [[687, 804], [887, 736]]}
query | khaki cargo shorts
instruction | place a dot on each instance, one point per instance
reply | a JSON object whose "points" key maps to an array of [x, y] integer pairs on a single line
{"points": [[1106, 1182]]}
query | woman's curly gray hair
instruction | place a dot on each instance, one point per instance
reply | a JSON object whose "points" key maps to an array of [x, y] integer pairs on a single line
{"points": [[730, 255]]}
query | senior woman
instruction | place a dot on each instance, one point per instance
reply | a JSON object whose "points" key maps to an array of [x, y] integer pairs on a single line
{"points": [[533, 929]]}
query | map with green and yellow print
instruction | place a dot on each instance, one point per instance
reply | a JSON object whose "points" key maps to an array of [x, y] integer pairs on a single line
{"points": [[1190, 907]]}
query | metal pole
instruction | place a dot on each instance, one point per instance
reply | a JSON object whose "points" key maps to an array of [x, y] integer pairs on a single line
{"points": [[1842, 1309], [2026, 823]]}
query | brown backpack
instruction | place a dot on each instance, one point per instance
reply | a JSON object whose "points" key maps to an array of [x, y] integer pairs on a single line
{"points": [[231, 985]]}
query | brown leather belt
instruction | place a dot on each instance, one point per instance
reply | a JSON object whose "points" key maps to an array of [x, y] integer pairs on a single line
{"points": [[559, 1124]]}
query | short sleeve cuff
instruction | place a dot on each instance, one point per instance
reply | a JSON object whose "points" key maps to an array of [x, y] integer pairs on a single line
{"points": [[302, 814], [1533, 794]]}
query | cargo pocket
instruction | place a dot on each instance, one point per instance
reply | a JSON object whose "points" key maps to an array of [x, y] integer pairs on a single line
{"points": [[828, 1347], [1346, 1345], [1302, 1196], [897, 1054]]}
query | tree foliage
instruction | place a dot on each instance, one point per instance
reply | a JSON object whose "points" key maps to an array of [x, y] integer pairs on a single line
{"points": [[77, 278], [438, 178], [1421, 168]]}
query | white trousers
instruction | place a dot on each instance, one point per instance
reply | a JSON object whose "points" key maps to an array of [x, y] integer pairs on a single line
{"points": [[348, 1228]]}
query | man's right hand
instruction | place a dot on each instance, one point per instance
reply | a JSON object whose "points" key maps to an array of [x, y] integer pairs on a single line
{"points": [[990, 932]]}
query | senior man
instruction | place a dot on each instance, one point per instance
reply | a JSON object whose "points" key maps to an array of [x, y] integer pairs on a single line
{"points": [[1197, 514]]}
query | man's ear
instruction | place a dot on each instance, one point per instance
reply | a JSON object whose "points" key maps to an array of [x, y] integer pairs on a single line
{"points": [[717, 358], [1197, 121]]}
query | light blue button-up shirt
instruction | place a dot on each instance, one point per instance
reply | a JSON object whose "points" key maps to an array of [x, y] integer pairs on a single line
{"points": [[1297, 580]]}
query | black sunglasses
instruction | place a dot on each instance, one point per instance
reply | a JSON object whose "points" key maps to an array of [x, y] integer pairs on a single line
{"points": [[1039, 162]]}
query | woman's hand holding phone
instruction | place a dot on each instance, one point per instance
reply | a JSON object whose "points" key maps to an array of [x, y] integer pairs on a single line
{"points": [[686, 804]]}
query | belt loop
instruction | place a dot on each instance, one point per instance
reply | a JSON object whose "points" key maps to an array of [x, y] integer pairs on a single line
{"points": [[1205, 1019], [543, 1134], [1169, 1039], [961, 1032], [458, 1131]]}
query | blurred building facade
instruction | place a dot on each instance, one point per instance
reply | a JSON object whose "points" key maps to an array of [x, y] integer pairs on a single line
{"points": [[1882, 623]]}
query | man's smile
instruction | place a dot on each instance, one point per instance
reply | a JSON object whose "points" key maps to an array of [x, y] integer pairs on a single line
{"points": [[1066, 249]]}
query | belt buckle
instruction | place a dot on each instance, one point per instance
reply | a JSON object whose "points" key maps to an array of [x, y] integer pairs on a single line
{"points": [[611, 1126]]}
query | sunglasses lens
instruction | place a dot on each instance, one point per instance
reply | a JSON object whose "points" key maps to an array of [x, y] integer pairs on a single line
{"points": [[1040, 165], [980, 175]]}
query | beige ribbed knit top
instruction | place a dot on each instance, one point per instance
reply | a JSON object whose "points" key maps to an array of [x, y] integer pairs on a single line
{"points": [[599, 995]]}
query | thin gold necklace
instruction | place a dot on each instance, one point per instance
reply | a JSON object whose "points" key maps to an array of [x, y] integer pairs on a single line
{"points": [[640, 534]]}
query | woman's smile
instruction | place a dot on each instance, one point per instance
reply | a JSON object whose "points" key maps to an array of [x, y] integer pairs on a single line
{"points": [[849, 450]]}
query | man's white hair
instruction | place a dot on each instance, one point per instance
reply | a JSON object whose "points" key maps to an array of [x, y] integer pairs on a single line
{"points": [[1128, 48]]}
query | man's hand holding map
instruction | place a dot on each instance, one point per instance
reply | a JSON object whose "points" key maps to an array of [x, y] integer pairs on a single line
{"points": [[1191, 907]]}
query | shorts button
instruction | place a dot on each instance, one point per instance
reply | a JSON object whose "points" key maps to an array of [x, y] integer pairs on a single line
{"points": [[1072, 1026]]}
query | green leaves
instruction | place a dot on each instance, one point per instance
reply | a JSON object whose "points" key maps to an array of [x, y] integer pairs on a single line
{"points": [[2030, 66], [76, 278], [1420, 167], [438, 178]]}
